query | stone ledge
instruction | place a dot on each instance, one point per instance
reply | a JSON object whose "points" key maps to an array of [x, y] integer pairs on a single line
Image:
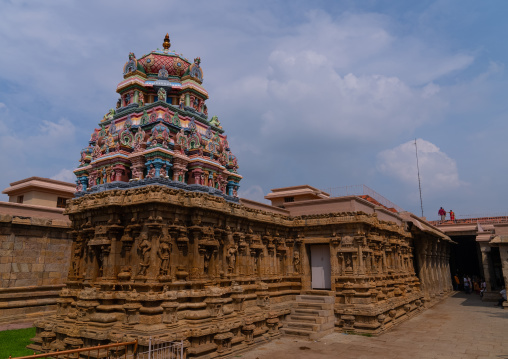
{"points": [[34, 221], [28, 303]]}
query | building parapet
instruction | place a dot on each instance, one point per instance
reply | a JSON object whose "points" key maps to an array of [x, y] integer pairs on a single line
{"points": [[33, 214]]}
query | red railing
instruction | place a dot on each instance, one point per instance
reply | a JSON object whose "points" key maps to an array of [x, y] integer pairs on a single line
{"points": [[473, 220], [102, 352]]}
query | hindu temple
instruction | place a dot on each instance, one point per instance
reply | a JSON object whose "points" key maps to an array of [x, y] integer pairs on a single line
{"points": [[163, 248]]}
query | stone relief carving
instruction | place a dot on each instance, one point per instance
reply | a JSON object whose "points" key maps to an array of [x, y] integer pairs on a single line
{"points": [[296, 262], [164, 253], [231, 258], [144, 248]]}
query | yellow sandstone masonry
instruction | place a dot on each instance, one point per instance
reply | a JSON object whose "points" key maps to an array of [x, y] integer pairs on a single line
{"points": [[178, 265]]}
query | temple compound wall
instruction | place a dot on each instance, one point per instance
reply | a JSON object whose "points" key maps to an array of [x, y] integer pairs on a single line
{"points": [[34, 261], [154, 261]]}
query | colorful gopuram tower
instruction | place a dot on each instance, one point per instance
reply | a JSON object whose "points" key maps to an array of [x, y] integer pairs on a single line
{"points": [[160, 132]]}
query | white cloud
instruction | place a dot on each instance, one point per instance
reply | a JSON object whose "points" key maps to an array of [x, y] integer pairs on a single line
{"points": [[344, 78], [303, 97], [33, 150], [438, 172], [254, 193], [51, 133], [65, 175]]}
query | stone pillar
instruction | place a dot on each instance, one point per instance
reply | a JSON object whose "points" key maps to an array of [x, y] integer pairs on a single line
{"points": [[196, 174], [384, 266], [334, 262], [485, 251], [503, 252], [430, 269], [305, 269], [447, 261], [422, 259], [230, 188], [84, 182], [120, 173], [196, 262], [361, 269]]}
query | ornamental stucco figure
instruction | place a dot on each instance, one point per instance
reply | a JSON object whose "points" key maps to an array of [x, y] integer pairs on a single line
{"points": [[164, 253], [161, 95], [76, 260], [151, 172], [296, 262], [136, 174], [206, 258], [231, 256], [145, 248], [162, 172]]}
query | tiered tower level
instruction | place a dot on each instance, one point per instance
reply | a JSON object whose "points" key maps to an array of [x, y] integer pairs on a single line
{"points": [[160, 132]]}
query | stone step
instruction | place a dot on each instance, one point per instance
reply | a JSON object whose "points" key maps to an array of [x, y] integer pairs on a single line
{"points": [[318, 292], [310, 326], [313, 312], [315, 299], [302, 318], [310, 318], [306, 333], [316, 306], [296, 332], [303, 325], [327, 325], [322, 333]]}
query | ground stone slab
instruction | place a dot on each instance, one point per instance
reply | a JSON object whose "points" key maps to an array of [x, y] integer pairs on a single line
{"points": [[462, 326]]}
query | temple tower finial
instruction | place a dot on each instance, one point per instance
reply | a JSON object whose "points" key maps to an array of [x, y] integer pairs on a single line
{"points": [[166, 44]]}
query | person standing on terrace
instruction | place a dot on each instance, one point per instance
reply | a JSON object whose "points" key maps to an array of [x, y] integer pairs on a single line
{"points": [[442, 213], [452, 216]]}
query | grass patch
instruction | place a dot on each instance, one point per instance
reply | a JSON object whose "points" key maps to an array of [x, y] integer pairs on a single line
{"points": [[14, 342]]}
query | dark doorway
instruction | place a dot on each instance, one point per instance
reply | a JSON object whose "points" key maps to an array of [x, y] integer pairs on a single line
{"points": [[496, 269], [465, 256]]}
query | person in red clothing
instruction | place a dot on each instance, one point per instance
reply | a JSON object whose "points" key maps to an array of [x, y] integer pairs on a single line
{"points": [[442, 213], [452, 216]]}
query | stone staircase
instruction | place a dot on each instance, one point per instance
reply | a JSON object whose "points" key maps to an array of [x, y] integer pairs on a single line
{"points": [[312, 317]]}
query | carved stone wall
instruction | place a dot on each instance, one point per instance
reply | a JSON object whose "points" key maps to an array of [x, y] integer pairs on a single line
{"points": [[180, 265]]}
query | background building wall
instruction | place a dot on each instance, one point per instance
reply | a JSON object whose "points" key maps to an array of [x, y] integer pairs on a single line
{"points": [[34, 262], [40, 198]]}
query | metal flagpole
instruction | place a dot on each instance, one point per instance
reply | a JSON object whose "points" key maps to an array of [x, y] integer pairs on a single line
{"points": [[419, 183]]}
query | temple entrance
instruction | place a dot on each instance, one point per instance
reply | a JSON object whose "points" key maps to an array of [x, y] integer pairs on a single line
{"points": [[320, 265], [465, 256]]}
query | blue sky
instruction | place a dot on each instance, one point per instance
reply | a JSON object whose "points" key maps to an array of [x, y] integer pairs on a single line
{"points": [[326, 93]]}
